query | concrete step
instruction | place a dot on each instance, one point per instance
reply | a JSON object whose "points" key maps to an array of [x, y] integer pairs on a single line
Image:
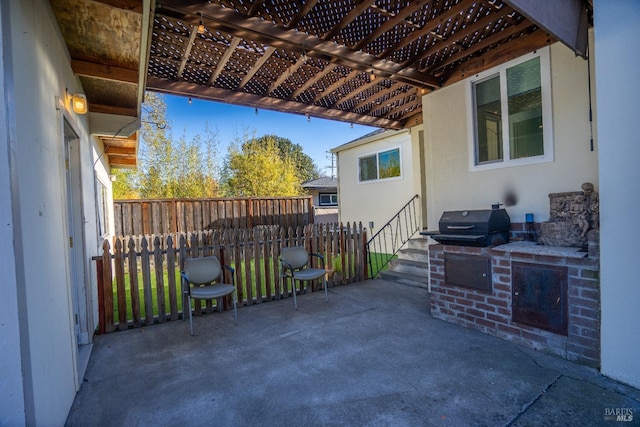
{"points": [[412, 267], [419, 242], [419, 255], [405, 278]]}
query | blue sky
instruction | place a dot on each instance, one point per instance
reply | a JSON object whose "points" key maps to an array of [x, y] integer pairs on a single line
{"points": [[316, 136]]}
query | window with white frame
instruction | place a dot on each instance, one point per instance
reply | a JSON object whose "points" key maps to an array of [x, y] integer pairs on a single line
{"points": [[328, 199], [511, 110], [380, 165]]}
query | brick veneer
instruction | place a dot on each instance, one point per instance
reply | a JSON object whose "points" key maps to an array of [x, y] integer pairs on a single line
{"points": [[491, 311]]}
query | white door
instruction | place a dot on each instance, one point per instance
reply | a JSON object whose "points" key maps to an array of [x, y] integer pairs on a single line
{"points": [[75, 235]]}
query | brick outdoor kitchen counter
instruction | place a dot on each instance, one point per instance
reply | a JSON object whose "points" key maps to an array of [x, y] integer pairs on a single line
{"points": [[543, 297]]}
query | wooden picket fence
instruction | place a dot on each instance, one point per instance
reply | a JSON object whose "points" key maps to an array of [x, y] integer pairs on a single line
{"points": [[139, 282]]}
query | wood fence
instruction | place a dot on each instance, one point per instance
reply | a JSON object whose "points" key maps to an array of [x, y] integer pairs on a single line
{"points": [[144, 217], [139, 287]]}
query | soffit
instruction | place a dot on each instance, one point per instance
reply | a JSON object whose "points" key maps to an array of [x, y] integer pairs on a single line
{"points": [[104, 39]]}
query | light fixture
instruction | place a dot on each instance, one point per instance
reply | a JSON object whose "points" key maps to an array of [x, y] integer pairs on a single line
{"points": [[304, 57], [308, 118], [78, 102], [372, 77], [351, 125], [423, 91], [256, 111], [190, 100], [201, 26]]}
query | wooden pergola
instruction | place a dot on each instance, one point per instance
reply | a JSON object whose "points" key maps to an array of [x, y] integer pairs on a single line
{"points": [[359, 61]]}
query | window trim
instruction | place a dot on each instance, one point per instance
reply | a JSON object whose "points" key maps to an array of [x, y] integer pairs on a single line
{"points": [[377, 153], [102, 209], [547, 114], [331, 196]]}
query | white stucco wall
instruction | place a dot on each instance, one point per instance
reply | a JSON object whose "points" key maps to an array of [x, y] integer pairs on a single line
{"points": [[618, 94], [41, 73], [12, 405], [451, 185], [375, 201]]}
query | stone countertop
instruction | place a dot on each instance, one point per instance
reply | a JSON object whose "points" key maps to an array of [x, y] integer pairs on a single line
{"points": [[534, 248]]}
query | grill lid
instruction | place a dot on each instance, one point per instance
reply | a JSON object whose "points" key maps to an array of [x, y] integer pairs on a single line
{"points": [[474, 222]]}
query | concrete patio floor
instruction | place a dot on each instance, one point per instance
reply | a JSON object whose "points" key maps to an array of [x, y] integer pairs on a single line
{"points": [[372, 355]]}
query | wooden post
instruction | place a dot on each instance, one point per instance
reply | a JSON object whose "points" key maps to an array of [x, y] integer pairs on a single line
{"points": [[102, 329], [107, 289]]}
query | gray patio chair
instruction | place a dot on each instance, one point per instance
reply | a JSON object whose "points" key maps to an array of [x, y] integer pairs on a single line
{"points": [[202, 281], [294, 264]]}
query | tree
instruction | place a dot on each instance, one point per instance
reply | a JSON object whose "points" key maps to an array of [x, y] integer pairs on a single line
{"points": [[169, 168], [306, 170], [259, 170]]}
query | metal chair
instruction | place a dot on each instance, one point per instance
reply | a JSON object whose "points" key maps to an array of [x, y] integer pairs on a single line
{"points": [[201, 281], [293, 263]]}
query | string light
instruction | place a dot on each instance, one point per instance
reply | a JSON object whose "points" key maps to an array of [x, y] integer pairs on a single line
{"points": [[201, 25], [190, 100], [256, 111], [308, 118]]}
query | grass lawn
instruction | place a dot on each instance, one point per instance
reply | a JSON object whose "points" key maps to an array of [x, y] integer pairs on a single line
{"points": [[377, 259]]}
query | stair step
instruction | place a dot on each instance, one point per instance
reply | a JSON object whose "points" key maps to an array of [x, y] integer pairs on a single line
{"points": [[419, 243], [408, 279], [419, 255], [407, 266]]}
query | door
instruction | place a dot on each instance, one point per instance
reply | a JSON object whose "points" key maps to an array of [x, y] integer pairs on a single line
{"points": [[75, 230]]}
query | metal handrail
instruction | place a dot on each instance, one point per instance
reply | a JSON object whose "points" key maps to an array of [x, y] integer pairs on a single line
{"points": [[392, 237]]}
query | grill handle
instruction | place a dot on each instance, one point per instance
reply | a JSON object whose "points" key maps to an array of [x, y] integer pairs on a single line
{"points": [[460, 227]]}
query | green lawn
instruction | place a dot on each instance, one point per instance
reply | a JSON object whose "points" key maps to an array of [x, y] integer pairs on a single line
{"points": [[242, 287]]}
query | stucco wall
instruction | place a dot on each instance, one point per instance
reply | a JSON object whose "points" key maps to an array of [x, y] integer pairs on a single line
{"points": [[451, 185], [41, 71], [375, 201], [618, 94], [12, 408]]}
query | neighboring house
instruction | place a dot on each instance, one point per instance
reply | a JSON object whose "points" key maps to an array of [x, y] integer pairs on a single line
{"points": [[378, 174], [324, 191]]}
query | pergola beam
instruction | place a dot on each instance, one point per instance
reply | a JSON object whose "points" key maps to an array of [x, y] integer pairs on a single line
{"points": [[256, 101], [259, 63], [225, 58], [316, 78], [240, 25], [104, 72]]}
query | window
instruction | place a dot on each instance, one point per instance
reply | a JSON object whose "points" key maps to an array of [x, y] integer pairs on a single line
{"points": [[102, 210], [512, 114], [381, 165], [328, 199]]}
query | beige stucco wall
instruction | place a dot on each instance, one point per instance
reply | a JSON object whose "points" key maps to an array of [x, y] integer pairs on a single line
{"points": [[36, 55], [377, 201], [451, 185]]}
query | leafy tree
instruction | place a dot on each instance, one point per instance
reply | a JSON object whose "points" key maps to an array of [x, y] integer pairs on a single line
{"points": [[305, 168], [169, 168], [259, 170]]}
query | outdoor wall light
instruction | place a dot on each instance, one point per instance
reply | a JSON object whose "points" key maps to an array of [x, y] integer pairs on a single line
{"points": [[78, 102]]}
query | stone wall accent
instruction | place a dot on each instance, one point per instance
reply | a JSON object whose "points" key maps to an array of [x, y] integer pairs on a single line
{"points": [[491, 312]]}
